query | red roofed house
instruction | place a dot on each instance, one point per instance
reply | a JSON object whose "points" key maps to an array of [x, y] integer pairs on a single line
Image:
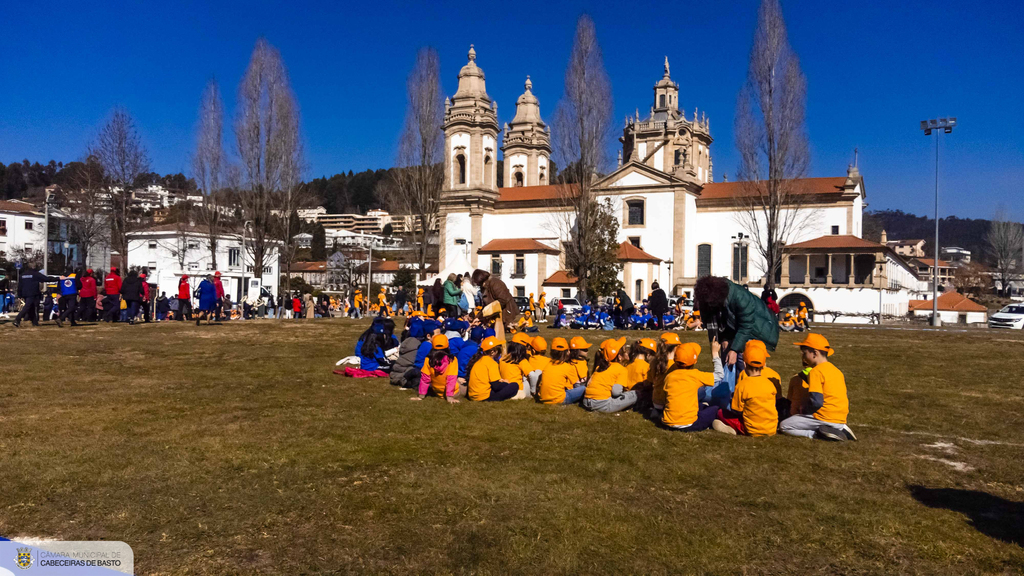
{"points": [[844, 273], [682, 222], [954, 308]]}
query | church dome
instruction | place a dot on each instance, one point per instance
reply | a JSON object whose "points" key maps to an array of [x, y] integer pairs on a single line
{"points": [[527, 107], [471, 79]]}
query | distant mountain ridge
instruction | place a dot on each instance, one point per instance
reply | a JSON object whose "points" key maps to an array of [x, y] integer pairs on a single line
{"points": [[966, 233]]}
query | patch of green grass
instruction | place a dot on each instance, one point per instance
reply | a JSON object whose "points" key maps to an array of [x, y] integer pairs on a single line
{"points": [[233, 449]]}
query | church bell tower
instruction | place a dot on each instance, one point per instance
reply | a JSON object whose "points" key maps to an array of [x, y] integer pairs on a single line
{"points": [[470, 162], [527, 144]]}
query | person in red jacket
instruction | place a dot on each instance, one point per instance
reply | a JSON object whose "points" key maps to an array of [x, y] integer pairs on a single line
{"points": [[87, 297], [146, 302], [219, 287], [296, 307], [112, 300], [184, 298]]}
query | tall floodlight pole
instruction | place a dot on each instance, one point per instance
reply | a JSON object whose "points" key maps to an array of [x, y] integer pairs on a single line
{"points": [[946, 125], [46, 233]]}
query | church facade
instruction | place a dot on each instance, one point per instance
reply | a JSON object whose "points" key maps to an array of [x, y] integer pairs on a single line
{"points": [[676, 223]]}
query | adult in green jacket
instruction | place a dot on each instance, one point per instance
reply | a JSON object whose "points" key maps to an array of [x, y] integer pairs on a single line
{"points": [[734, 315], [452, 295]]}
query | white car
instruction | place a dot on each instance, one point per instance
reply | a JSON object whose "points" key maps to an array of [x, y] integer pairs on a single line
{"points": [[571, 306], [1011, 316]]}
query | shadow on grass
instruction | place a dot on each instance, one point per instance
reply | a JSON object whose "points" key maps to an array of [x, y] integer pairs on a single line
{"points": [[991, 515]]}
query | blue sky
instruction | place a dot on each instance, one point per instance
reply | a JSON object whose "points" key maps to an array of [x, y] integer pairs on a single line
{"points": [[874, 70]]}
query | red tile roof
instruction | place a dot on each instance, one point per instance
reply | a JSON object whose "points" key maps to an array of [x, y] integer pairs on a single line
{"points": [[561, 278], [630, 253], [309, 266], [837, 242], [722, 190], [931, 262], [535, 193], [949, 302], [511, 245], [17, 206]]}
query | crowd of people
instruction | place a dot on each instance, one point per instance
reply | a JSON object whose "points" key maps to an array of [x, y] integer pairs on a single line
{"points": [[467, 356], [86, 296]]}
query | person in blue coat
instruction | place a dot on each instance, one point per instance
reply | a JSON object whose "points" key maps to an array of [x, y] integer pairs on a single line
{"points": [[206, 293], [370, 348]]}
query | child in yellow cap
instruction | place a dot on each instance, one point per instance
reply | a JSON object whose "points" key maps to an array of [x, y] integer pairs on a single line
{"points": [[560, 382], [662, 364], [683, 412], [485, 381], [538, 346], [640, 355], [440, 372], [515, 366], [578, 348], [605, 390], [752, 411], [824, 413]]}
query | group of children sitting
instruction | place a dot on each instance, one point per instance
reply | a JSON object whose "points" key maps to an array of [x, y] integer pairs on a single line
{"points": [[795, 322], [603, 318], [656, 377]]}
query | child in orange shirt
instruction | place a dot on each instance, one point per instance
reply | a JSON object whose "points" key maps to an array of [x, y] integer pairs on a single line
{"points": [[752, 411], [605, 388], [559, 382], [824, 413], [683, 412], [640, 355]]}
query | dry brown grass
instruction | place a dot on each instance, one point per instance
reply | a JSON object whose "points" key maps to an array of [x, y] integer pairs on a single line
{"points": [[233, 449]]}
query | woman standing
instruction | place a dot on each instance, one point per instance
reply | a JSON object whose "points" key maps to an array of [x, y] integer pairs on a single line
{"points": [[206, 293], [452, 295]]}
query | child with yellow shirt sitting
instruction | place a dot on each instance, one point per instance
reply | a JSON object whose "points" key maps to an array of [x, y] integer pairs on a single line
{"points": [[662, 363], [605, 389], [515, 367], [525, 324], [578, 348], [683, 412], [640, 355], [560, 382], [752, 411], [485, 381], [537, 358], [823, 414]]}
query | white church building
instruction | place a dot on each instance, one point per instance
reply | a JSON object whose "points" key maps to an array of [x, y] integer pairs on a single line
{"points": [[676, 224]]}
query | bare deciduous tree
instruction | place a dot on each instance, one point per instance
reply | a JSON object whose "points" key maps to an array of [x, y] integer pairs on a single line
{"points": [[772, 141], [582, 128], [267, 134], [208, 164], [414, 186], [1005, 241], [88, 208], [120, 151]]}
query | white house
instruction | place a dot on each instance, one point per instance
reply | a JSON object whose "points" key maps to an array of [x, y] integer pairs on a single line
{"points": [[23, 236], [954, 308], [170, 250]]}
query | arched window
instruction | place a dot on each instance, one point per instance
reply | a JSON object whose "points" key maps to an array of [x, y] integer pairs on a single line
{"points": [[541, 179], [703, 260], [460, 169], [661, 101], [519, 179], [679, 157], [639, 295], [487, 171], [669, 99]]}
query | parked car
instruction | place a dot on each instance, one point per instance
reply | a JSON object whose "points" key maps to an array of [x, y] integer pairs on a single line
{"points": [[687, 302], [570, 305], [522, 302], [1011, 316]]}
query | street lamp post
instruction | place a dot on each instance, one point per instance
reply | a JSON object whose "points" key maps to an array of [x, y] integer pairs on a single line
{"points": [[46, 233], [946, 125]]}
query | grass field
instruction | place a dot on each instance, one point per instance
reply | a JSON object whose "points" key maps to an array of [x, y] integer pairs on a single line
{"points": [[233, 450]]}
